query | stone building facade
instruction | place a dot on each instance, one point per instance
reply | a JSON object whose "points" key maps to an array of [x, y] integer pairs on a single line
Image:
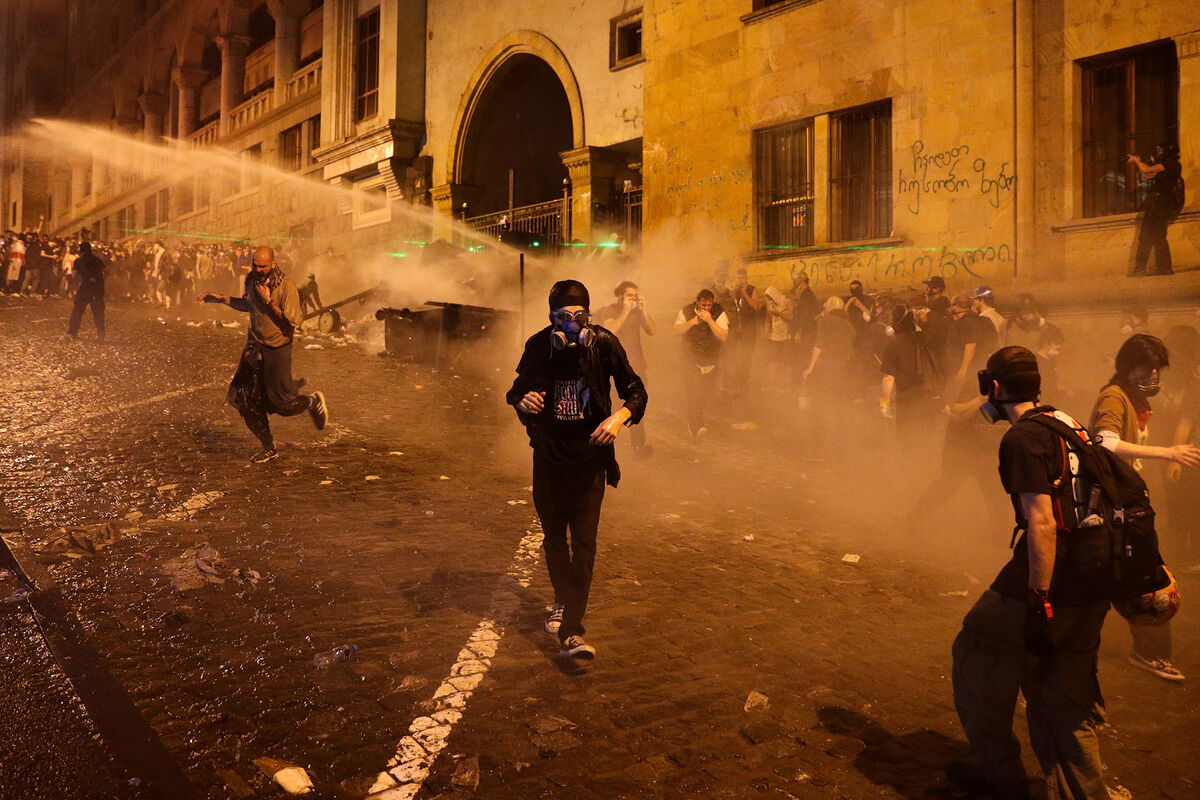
{"points": [[981, 140]]}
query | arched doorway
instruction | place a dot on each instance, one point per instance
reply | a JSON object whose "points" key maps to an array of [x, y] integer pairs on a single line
{"points": [[518, 126]]}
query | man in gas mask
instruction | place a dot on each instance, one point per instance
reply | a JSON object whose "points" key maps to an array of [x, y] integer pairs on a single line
{"points": [[562, 396], [1120, 421], [1036, 630]]}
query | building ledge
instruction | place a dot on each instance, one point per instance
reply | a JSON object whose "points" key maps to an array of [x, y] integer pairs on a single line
{"points": [[1113, 222], [775, 10], [825, 248]]}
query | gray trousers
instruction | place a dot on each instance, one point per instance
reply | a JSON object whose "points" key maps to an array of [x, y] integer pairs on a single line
{"points": [[1062, 695]]}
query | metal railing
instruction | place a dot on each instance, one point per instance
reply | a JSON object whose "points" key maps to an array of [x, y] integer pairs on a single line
{"points": [[631, 201], [549, 221]]}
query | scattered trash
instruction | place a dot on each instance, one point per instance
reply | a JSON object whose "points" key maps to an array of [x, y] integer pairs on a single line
{"points": [[962, 593], [340, 653], [518, 502], [89, 540], [17, 596], [412, 683], [250, 576], [291, 778], [167, 487], [757, 701], [395, 453], [193, 569], [326, 482], [548, 722], [418, 386], [749, 537], [851, 558], [443, 477], [194, 324], [313, 347], [429, 513], [372, 477], [134, 516], [466, 774], [745, 426]]}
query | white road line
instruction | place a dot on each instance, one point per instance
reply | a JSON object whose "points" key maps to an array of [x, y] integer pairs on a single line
{"points": [[186, 510], [156, 399], [427, 736]]}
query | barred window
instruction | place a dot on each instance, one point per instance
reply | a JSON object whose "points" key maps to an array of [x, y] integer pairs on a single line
{"points": [[783, 160], [1130, 105], [314, 136], [860, 172], [290, 153], [366, 66]]}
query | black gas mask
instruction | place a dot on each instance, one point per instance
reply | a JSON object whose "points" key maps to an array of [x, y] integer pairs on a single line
{"points": [[571, 330], [1005, 364], [1148, 386]]}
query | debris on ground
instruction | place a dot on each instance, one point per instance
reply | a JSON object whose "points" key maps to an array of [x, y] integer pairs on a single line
{"points": [[851, 558], [745, 426], [234, 783], [412, 683], [195, 568], [291, 778], [757, 701], [175, 619], [443, 477], [518, 502], [168, 487], [395, 453], [466, 774], [372, 477], [87, 540], [314, 347], [749, 537], [960, 593], [340, 653]]}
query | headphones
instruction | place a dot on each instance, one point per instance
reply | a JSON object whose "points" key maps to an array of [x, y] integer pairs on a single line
{"points": [[571, 330]]}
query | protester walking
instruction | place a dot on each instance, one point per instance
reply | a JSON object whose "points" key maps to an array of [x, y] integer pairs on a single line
{"points": [[704, 326], [90, 270], [561, 395]]}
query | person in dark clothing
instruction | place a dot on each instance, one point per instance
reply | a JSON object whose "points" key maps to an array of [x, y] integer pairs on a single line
{"points": [[1163, 172], [263, 382], [704, 326], [91, 291], [629, 318], [561, 394], [805, 310], [910, 383], [1036, 630], [310, 296]]}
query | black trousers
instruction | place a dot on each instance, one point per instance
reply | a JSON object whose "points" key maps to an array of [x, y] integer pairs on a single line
{"points": [[569, 497], [1152, 236], [88, 296], [263, 384]]}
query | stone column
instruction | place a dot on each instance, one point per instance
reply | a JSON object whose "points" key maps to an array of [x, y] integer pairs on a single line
{"points": [[591, 170], [1188, 48], [233, 74], [189, 79], [154, 110], [337, 71], [288, 15]]}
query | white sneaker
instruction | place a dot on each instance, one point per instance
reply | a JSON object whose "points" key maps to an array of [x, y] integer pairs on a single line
{"points": [[1159, 666], [576, 647], [554, 620]]}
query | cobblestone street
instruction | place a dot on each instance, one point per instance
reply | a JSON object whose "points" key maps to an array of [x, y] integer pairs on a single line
{"points": [[406, 528]]}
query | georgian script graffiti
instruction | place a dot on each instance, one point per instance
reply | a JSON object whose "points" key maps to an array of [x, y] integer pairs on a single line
{"points": [[900, 264], [945, 172]]}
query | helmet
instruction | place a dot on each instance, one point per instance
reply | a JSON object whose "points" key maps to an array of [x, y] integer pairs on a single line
{"points": [[1152, 608]]}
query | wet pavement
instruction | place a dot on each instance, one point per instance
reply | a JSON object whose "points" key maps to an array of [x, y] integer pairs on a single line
{"points": [[404, 529]]}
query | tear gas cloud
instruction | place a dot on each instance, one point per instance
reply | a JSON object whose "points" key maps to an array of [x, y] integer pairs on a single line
{"points": [[887, 490]]}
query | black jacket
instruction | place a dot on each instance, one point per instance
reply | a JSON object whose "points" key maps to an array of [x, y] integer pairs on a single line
{"points": [[603, 361]]}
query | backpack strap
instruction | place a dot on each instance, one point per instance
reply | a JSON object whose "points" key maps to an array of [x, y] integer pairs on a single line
{"points": [[1077, 439]]}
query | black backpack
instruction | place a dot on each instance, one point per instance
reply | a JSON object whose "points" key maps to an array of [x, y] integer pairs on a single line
{"points": [[1175, 199], [1110, 529]]}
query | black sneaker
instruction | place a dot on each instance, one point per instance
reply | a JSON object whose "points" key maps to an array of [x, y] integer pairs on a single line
{"points": [[318, 411], [970, 778], [264, 455], [576, 647]]}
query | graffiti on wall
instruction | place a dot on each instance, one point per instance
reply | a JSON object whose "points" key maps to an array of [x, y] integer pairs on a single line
{"points": [[954, 171], [905, 264]]}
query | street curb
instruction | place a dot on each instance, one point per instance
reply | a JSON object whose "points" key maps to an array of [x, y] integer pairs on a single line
{"points": [[130, 741]]}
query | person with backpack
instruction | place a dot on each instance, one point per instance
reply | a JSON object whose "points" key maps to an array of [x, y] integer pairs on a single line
{"points": [[1164, 201], [1036, 629], [1120, 423]]}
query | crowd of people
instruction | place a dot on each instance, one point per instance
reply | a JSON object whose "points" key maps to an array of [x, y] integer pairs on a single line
{"points": [[136, 269]]}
